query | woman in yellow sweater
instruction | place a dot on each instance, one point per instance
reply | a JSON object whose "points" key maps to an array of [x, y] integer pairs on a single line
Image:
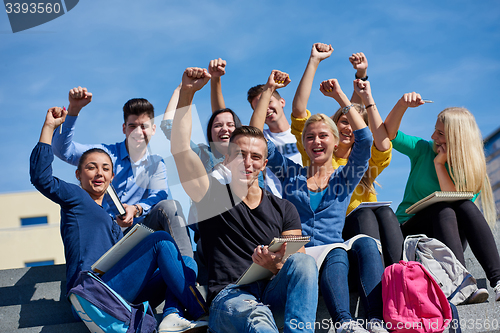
{"points": [[380, 223]]}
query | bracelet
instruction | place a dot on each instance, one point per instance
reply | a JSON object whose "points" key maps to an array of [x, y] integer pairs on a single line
{"points": [[345, 109], [361, 78], [369, 106]]}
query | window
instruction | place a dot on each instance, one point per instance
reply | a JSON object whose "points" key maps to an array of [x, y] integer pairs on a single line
{"points": [[26, 221], [39, 263]]}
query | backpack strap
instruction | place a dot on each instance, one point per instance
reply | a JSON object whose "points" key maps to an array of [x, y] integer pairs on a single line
{"points": [[469, 275], [455, 321]]}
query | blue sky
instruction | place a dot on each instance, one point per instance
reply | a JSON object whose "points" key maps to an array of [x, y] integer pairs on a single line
{"points": [[446, 50]]}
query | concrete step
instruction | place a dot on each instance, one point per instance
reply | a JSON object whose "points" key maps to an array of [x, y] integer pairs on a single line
{"points": [[33, 300]]}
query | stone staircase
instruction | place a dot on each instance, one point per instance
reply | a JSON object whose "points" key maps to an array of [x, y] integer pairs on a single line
{"points": [[32, 300]]}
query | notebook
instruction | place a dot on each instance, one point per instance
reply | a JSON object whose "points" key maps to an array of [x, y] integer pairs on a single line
{"points": [[438, 196], [371, 205], [120, 249], [116, 201], [256, 272]]}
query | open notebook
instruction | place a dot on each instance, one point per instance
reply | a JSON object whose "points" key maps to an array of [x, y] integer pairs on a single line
{"points": [[256, 272]]}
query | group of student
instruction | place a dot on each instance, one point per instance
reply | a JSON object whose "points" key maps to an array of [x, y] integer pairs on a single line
{"points": [[251, 184]]}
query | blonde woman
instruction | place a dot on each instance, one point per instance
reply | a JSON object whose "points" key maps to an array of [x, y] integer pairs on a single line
{"points": [[453, 161], [379, 223], [321, 195]]}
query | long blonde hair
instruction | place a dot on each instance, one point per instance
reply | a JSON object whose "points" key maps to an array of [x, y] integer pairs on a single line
{"points": [[465, 156], [366, 181]]}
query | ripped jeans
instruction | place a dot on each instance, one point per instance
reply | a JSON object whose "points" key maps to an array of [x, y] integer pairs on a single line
{"points": [[289, 300]]}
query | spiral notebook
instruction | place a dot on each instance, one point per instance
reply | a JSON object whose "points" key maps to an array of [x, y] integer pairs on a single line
{"points": [[120, 249], [438, 196], [256, 272]]}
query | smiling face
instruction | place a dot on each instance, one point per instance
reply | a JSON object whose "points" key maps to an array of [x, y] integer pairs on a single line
{"points": [[439, 136], [246, 159], [274, 109], [138, 131], [222, 127], [346, 135], [95, 174], [319, 143]]}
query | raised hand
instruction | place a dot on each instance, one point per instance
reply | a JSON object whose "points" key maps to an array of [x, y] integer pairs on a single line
{"points": [[321, 51], [194, 78], [364, 91], [411, 100], [217, 67], [331, 88], [278, 79], [359, 61], [55, 117], [79, 97]]}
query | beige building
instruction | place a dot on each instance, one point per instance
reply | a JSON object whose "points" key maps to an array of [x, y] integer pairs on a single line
{"points": [[29, 231]]}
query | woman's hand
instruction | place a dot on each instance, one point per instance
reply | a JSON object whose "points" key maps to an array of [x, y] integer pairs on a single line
{"points": [[441, 157], [411, 100], [267, 259], [331, 88], [364, 91], [55, 117]]}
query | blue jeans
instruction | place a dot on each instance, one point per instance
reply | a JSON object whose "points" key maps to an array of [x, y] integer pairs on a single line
{"points": [[334, 285], [290, 299], [167, 215], [155, 271]]}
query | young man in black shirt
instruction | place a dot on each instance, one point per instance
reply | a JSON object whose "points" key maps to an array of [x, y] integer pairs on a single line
{"points": [[237, 220]]}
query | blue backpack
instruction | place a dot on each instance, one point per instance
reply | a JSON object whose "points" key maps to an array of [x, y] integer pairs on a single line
{"points": [[103, 310]]}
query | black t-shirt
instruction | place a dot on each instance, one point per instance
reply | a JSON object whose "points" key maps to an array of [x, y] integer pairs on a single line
{"points": [[230, 231]]}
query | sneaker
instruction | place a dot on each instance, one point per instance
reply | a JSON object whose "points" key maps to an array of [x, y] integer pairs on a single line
{"points": [[376, 325], [497, 291], [173, 323], [479, 296], [351, 327]]}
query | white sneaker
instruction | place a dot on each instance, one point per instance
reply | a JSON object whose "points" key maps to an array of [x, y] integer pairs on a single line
{"points": [[479, 296], [497, 291], [376, 326], [173, 323], [351, 327]]}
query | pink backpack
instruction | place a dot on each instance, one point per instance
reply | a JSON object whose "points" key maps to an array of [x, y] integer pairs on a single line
{"points": [[413, 301]]}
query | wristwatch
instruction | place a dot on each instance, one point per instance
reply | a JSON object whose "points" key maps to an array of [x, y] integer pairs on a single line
{"points": [[361, 78], [345, 109], [137, 211]]}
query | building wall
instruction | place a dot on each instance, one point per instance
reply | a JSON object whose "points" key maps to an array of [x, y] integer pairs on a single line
{"points": [[27, 244], [492, 152]]}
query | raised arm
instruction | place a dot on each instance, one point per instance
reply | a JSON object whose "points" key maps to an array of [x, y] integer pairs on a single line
{"points": [[360, 64], [63, 145], [192, 174], [393, 119], [54, 118], [276, 80], [216, 68], [319, 52], [172, 104], [380, 137], [78, 99], [331, 88]]}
